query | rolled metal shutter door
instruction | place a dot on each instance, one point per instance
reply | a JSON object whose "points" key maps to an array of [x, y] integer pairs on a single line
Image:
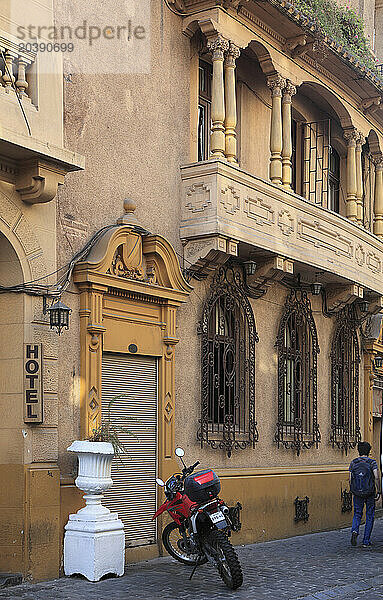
{"points": [[133, 494]]}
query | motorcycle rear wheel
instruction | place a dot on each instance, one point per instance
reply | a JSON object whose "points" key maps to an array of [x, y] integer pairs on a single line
{"points": [[217, 546], [175, 545]]}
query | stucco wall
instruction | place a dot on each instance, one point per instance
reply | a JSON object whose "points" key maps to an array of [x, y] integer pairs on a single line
{"points": [[134, 131], [268, 311]]}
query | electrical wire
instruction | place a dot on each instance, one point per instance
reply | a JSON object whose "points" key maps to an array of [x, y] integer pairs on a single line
{"points": [[267, 104], [56, 289]]}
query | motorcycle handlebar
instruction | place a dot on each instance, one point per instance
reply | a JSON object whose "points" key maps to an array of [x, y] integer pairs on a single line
{"points": [[189, 470]]}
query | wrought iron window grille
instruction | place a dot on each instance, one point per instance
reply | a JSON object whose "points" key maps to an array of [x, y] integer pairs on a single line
{"points": [[345, 361], [346, 498], [316, 161], [228, 364], [301, 509], [298, 348]]}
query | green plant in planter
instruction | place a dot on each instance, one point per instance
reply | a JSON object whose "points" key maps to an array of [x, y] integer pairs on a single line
{"points": [[342, 24], [109, 431]]}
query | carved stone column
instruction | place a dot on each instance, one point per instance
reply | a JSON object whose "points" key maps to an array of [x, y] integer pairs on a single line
{"points": [[231, 104], [276, 84], [217, 142], [21, 83], [359, 177], [378, 198], [351, 206], [8, 76], [287, 143]]}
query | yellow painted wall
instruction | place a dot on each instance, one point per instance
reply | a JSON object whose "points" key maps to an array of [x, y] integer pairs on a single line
{"points": [[268, 502], [42, 535], [11, 518]]}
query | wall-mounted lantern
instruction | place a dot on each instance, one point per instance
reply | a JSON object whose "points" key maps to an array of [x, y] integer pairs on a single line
{"points": [[378, 361], [363, 306], [316, 288], [58, 315], [250, 267]]}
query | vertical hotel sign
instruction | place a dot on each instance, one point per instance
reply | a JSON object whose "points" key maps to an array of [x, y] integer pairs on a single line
{"points": [[33, 383]]}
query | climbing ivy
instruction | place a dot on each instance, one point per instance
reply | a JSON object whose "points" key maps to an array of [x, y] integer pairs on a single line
{"points": [[342, 24]]}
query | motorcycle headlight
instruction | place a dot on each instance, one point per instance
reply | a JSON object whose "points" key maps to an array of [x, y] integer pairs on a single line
{"points": [[171, 484]]}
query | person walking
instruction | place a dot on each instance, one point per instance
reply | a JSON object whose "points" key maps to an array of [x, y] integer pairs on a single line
{"points": [[365, 487]]}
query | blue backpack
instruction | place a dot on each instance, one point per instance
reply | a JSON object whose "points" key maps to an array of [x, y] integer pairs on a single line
{"points": [[362, 478]]}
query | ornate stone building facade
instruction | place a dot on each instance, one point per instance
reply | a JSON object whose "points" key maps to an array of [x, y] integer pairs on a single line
{"points": [[234, 303]]}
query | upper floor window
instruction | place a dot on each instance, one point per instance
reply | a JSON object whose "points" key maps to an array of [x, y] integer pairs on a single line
{"points": [[204, 109], [333, 180], [316, 136], [297, 344], [345, 361], [228, 365]]}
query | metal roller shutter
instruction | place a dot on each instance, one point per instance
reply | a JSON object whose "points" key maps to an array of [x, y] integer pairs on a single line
{"points": [[133, 494]]}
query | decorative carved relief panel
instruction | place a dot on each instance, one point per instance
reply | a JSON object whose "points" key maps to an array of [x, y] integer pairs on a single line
{"points": [[269, 217]]}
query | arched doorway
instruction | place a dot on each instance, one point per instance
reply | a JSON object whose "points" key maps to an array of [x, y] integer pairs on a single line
{"points": [[11, 410]]}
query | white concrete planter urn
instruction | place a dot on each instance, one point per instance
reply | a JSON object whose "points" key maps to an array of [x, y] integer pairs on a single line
{"points": [[94, 542]]}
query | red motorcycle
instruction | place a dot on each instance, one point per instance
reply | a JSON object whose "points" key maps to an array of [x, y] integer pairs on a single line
{"points": [[201, 523]]}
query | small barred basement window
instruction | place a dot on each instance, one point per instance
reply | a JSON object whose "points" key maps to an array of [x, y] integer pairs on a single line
{"points": [[228, 365]]}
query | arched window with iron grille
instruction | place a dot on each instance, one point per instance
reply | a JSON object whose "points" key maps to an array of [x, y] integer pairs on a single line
{"points": [[228, 365], [345, 361], [298, 348]]}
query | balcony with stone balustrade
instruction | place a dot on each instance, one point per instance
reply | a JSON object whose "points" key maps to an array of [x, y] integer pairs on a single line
{"points": [[14, 65], [32, 156], [229, 212]]}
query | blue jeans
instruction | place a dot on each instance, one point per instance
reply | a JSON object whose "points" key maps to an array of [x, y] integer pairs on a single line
{"points": [[358, 512]]}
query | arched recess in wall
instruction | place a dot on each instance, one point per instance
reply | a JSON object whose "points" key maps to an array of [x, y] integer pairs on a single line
{"points": [[263, 56], [130, 288], [373, 142], [19, 234], [327, 101], [12, 326], [323, 145]]}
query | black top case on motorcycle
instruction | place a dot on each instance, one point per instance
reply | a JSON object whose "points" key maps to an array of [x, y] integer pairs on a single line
{"points": [[202, 486]]}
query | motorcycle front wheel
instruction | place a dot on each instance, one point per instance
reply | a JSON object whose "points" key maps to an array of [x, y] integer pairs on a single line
{"points": [[175, 545], [217, 546]]}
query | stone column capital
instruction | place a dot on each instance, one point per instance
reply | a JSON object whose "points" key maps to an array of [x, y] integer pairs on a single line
{"points": [[218, 46], [361, 138], [378, 163], [276, 83], [232, 54], [288, 91], [351, 136]]}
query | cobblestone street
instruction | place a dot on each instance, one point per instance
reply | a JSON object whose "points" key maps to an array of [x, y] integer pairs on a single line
{"points": [[320, 566]]}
